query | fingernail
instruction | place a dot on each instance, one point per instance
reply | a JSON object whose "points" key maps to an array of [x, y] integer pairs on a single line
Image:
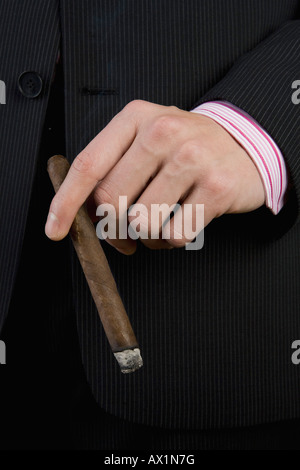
{"points": [[52, 226]]}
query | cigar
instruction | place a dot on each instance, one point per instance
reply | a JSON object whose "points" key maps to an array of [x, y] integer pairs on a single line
{"points": [[101, 282]]}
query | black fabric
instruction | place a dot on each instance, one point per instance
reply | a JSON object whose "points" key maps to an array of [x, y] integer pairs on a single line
{"points": [[29, 41], [215, 326], [266, 75], [40, 332]]}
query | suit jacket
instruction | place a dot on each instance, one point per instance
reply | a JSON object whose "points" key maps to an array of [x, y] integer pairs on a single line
{"points": [[215, 326]]}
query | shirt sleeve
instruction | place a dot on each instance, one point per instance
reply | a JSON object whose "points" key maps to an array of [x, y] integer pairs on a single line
{"points": [[262, 149]]}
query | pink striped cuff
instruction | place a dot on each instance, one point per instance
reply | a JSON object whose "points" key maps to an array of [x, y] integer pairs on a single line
{"points": [[259, 145]]}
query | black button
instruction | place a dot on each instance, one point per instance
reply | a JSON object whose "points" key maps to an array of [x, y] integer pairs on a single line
{"points": [[30, 84]]}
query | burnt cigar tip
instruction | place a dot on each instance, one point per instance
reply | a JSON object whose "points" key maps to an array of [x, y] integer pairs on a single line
{"points": [[129, 360]]}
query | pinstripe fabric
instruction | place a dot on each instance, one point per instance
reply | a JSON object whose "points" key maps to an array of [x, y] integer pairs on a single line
{"points": [[109, 433], [34, 47], [268, 100], [215, 326]]}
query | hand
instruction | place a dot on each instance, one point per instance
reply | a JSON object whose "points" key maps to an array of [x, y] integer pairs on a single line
{"points": [[158, 154]]}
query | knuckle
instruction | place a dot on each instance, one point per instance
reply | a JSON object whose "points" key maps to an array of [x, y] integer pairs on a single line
{"points": [[83, 163], [173, 169], [185, 160], [189, 152], [217, 183], [133, 106], [164, 126], [104, 194]]}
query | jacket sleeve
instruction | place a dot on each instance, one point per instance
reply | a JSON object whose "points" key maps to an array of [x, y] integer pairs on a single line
{"points": [[261, 83]]}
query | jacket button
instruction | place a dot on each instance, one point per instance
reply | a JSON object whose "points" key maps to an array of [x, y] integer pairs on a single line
{"points": [[30, 84]]}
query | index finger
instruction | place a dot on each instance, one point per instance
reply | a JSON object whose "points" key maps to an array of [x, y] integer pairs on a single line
{"points": [[91, 165]]}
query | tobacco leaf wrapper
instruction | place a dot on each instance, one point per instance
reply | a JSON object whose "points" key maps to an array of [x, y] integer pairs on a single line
{"points": [[101, 282]]}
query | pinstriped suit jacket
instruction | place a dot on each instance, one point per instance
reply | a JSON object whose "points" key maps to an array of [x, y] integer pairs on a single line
{"points": [[215, 326]]}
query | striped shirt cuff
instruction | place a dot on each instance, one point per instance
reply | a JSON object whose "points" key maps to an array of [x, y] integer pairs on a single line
{"points": [[260, 146]]}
